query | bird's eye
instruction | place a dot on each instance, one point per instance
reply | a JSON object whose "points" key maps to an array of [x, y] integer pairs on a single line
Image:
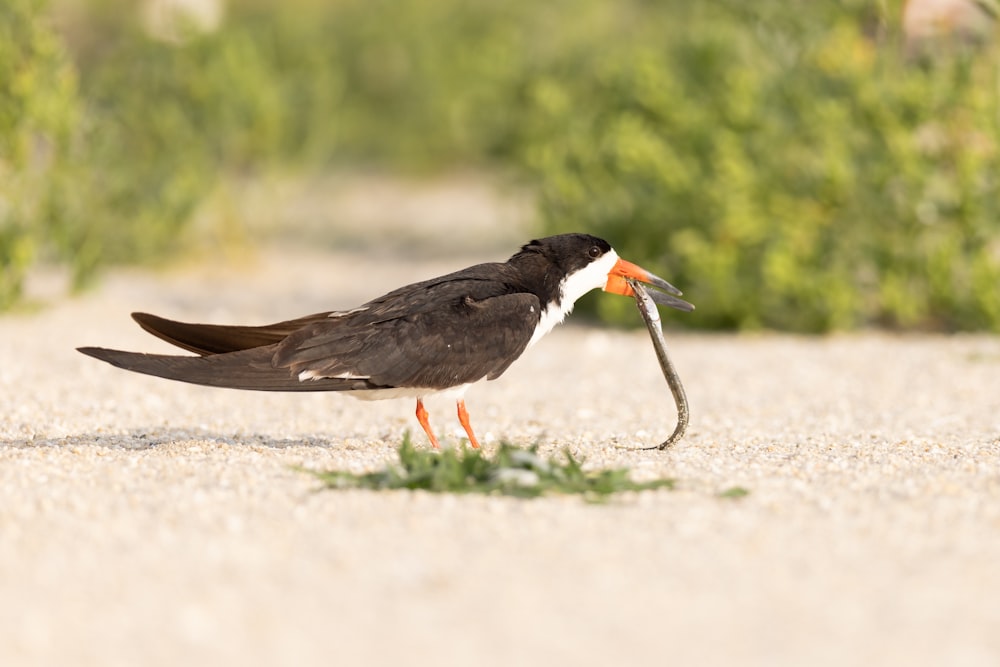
{"points": [[595, 252]]}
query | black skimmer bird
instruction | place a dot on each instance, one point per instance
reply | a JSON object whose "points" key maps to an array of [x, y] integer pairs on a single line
{"points": [[436, 336]]}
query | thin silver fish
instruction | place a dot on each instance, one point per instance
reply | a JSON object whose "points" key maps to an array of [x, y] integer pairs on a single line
{"points": [[650, 314]]}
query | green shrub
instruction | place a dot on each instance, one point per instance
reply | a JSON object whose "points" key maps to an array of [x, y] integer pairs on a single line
{"points": [[793, 174], [778, 160], [37, 115]]}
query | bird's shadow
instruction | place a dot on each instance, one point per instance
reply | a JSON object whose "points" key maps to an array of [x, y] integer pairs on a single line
{"points": [[146, 439]]}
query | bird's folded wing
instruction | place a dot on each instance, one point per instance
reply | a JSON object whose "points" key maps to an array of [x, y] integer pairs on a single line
{"points": [[464, 341]]}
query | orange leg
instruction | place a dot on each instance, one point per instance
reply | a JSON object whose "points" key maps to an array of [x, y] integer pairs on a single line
{"points": [[463, 416], [422, 418]]}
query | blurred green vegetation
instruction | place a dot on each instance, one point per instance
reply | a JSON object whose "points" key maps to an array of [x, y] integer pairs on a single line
{"points": [[789, 169], [780, 161], [38, 114]]}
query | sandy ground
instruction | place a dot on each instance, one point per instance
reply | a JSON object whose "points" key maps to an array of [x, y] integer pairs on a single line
{"points": [[155, 523]]}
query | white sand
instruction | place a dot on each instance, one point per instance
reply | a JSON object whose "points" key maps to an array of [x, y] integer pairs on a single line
{"points": [[145, 522]]}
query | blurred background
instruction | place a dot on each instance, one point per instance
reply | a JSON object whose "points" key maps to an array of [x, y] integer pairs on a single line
{"points": [[799, 165]]}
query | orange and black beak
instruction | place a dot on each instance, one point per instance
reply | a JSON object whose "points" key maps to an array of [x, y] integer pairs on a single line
{"points": [[618, 284]]}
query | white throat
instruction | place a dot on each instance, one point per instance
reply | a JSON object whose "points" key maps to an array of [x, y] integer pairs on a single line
{"points": [[572, 287]]}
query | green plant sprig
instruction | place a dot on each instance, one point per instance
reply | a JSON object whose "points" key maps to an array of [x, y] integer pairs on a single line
{"points": [[511, 471]]}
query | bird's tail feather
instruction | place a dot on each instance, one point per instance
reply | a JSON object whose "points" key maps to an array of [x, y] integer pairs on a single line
{"points": [[244, 369]]}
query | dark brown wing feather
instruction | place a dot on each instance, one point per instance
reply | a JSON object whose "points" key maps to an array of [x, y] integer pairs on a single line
{"points": [[206, 339]]}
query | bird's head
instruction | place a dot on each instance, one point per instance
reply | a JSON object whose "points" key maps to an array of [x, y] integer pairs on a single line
{"points": [[587, 262]]}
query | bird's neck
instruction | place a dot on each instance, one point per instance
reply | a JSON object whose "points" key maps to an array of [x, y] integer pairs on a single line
{"points": [[540, 277]]}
